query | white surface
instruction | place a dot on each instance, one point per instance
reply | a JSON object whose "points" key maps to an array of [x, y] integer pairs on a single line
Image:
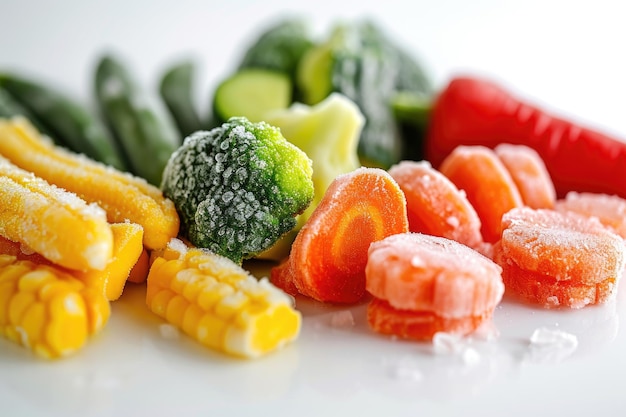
{"points": [[565, 55]]}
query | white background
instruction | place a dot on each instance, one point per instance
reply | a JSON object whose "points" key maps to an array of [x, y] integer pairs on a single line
{"points": [[567, 56]]}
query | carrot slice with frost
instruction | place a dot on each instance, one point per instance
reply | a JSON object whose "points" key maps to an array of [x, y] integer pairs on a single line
{"points": [[529, 173], [559, 259], [429, 284], [328, 257], [414, 271], [549, 292], [610, 210], [435, 206], [417, 325], [488, 185], [565, 246]]}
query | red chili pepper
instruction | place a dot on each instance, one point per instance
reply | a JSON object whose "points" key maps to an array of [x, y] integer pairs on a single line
{"points": [[472, 111]]}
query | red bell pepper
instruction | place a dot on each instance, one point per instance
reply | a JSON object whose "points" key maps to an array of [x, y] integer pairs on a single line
{"points": [[471, 111]]}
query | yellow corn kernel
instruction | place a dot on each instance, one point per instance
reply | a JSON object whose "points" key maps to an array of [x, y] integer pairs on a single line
{"points": [[220, 304], [34, 320], [121, 195], [67, 328], [127, 247], [98, 309], [47, 309], [7, 289], [51, 221]]}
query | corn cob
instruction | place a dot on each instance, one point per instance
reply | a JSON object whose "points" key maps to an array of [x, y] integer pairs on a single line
{"points": [[220, 304], [51, 221], [46, 309], [127, 249], [122, 196]]}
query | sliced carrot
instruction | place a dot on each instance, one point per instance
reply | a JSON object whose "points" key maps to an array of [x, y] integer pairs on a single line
{"points": [[417, 325], [488, 185], [565, 246], [529, 174], [610, 210], [425, 284], [559, 259], [549, 292], [418, 272], [435, 206], [282, 277], [328, 257]]}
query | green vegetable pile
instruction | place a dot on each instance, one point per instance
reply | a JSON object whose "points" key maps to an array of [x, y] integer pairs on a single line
{"points": [[287, 65]]}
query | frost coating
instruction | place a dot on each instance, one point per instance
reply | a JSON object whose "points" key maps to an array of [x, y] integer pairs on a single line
{"points": [[238, 187]]}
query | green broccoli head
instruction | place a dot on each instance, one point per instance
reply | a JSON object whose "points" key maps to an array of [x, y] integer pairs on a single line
{"points": [[238, 187]]}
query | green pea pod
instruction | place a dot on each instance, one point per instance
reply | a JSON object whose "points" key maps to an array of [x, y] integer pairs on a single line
{"points": [[66, 121], [144, 131], [10, 108], [176, 89]]}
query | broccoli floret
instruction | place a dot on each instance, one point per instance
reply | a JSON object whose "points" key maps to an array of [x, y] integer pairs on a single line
{"points": [[328, 133], [238, 187]]}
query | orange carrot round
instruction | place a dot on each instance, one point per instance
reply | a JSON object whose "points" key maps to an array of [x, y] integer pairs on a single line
{"points": [[529, 174], [328, 257], [488, 185], [559, 259], [423, 284], [418, 325], [566, 246], [435, 206], [610, 210], [549, 292], [282, 277]]}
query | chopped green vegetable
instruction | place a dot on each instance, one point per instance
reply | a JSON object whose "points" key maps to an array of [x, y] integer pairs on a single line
{"points": [[360, 66], [411, 76], [251, 93], [176, 90], [145, 133], [68, 122], [361, 62], [238, 187], [9, 108], [412, 112], [280, 47]]}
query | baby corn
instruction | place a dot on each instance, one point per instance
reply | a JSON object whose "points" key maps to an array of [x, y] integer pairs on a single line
{"points": [[122, 196], [46, 309], [127, 250], [51, 221], [219, 304]]}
